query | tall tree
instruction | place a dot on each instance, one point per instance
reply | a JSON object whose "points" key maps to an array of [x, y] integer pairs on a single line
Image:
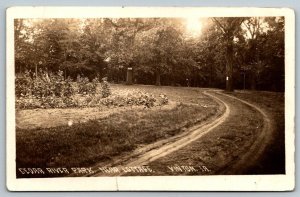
{"points": [[253, 30], [123, 51], [23, 45], [229, 27], [158, 49]]}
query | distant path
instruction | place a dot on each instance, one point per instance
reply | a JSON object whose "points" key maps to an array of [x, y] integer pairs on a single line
{"points": [[245, 160]]}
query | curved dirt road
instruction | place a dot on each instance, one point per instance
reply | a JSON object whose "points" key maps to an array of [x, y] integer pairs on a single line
{"points": [[257, 148], [248, 147]]}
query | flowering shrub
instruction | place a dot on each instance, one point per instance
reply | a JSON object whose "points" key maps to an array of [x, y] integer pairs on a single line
{"points": [[131, 99], [105, 89], [163, 99], [115, 100], [67, 88], [48, 90], [43, 85], [141, 98], [85, 86], [23, 85], [28, 103]]}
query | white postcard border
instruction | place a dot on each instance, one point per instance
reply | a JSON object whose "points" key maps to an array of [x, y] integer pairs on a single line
{"points": [[150, 183]]}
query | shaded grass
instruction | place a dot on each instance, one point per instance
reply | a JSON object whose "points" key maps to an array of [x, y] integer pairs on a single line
{"points": [[273, 159], [225, 144], [218, 148], [85, 144]]}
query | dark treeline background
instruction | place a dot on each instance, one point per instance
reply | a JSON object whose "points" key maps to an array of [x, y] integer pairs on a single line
{"points": [[160, 50]]}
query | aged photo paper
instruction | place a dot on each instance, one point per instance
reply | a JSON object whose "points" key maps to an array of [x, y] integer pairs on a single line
{"points": [[150, 99]]}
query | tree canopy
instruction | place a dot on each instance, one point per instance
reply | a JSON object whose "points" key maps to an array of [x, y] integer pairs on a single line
{"points": [[228, 52]]}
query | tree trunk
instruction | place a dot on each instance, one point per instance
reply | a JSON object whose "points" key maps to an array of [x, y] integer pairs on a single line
{"points": [[157, 81], [129, 76], [255, 66], [229, 64], [210, 76], [253, 80], [36, 70]]}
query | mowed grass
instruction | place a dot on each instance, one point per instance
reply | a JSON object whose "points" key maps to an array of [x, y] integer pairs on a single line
{"points": [[273, 159], [219, 147], [225, 144], [85, 144]]}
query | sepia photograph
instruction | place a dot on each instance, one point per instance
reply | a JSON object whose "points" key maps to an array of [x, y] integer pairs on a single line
{"points": [[150, 95]]}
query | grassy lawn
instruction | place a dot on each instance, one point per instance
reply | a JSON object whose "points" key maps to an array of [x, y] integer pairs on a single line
{"points": [[226, 143], [93, 141], [273, 161]]}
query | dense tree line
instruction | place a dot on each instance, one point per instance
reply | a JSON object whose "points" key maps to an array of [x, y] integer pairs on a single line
{"points": [[230, 52]]}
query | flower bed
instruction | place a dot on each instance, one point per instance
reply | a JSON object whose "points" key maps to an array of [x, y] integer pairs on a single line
{"points": [[53, 91]]}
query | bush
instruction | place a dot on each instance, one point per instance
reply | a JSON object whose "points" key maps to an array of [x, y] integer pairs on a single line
{"points": [[44, 90], [85, 87], [43, 85], [163, 99], [23, 85], [136, 99], [105, 89], [48, 90]]}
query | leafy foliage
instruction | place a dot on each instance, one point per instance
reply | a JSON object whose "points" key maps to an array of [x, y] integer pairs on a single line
{"points": [[44, 90], [53, 91], [158, 50], [105, 90], [85, 87]]}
